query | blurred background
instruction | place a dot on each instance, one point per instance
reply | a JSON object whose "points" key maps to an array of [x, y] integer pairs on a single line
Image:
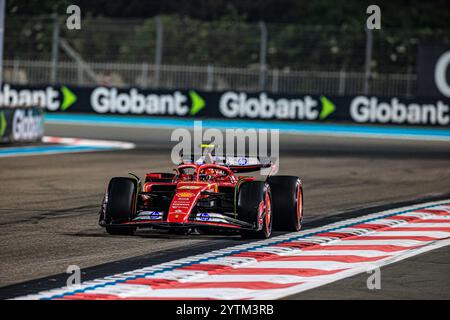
{"points": [[318, 47]]}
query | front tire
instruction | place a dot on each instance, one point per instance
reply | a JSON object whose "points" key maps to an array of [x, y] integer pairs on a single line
{"points": [[254, 205], [287, 195], [121, 205]]}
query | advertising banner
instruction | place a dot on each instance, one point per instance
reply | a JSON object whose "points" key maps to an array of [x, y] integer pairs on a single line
{"points": [[21, 124], [433, 71], [369, 109]]}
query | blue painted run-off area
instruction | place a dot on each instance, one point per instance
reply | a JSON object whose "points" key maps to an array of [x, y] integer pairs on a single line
{"points": [[356, 130]]}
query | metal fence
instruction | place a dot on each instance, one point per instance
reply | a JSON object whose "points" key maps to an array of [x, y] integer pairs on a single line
{"points": [[172, 52], [206, 78]]}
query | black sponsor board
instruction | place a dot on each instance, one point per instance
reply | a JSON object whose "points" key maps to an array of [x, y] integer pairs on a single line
{"points": [[416, 111], [21, 124], [433, 71]]}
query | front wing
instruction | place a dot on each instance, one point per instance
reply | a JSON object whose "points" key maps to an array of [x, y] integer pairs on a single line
{"points": [[200, 220]]}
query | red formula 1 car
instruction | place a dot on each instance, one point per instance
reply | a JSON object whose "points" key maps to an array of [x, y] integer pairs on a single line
{"points": [[205, 194]]}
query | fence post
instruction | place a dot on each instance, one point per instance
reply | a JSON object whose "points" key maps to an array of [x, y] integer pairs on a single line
{"points": [[80, 73], [342, 76], [408, 81], [55, 47], [15, 76], [262, 56], [144, 76], [2, 33], [158, 49], [209, 77], [368, 60], [275, 79]]}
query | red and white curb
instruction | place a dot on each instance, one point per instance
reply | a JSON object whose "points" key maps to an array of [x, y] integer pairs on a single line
{"points": [[281, 266], [57, 145]]}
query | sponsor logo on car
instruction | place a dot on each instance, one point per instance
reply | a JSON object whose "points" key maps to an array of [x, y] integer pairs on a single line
{"points": [[242, 161], [181, 202], [149, 215], [189, 187], [204, 216], [185, 194], [154, 215], [182, 205]]}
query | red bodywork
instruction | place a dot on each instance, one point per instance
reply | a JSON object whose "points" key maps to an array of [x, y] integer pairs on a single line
{"points": [[191, 185]]}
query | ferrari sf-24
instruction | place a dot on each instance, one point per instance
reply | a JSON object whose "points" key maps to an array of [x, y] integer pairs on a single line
{"points": [[205, 194]]}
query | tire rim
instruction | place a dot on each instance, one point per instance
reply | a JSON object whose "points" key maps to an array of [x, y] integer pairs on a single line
{"points": [[261, 210]]}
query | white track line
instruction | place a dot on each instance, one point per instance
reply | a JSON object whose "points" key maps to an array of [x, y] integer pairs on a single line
{"points": [[89, 142], [58, 145]]}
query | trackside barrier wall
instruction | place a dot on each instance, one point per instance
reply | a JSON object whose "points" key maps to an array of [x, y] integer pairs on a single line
{"points": [[21, 124], [416, 111]]}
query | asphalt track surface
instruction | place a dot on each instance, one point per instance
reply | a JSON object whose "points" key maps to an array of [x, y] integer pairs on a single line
{"points": [[49, 206]]}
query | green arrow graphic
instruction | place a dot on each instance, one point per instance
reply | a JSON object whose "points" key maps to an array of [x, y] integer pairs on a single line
{"points": [[327, 108], [69, 98], [197, 102], [2, 124]]}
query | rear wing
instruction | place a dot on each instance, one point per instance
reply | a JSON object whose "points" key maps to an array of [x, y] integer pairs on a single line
{"points": [[234, 163], [245, 164]]}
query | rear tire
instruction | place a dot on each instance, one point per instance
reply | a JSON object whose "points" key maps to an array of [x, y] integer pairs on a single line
{"points": [[254, 205], [287, 196], [121, 205]]}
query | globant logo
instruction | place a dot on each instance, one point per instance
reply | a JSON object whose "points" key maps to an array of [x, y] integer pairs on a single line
{"points": [[48, 98], [364, 109], [45, 98], [239, 105], [26, 125], [109, 100]]}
